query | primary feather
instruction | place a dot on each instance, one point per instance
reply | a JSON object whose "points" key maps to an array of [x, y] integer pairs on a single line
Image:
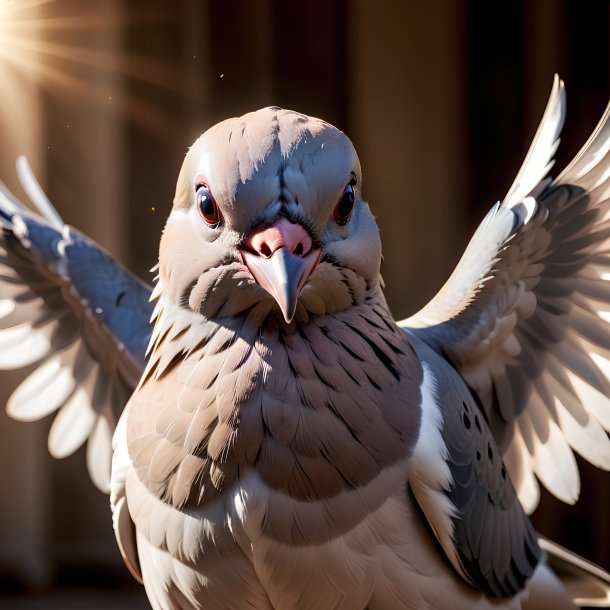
{"points": [[532, 339], [77, 314]]}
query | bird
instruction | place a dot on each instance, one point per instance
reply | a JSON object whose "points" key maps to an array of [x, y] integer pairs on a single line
{"points": [[269, 435]]}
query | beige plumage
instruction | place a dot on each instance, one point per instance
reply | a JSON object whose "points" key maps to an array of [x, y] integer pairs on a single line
{"points": [[290, 446]]}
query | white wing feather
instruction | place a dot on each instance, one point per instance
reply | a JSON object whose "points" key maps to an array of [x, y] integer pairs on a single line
{"points": [[524, 315], [84, 370]]}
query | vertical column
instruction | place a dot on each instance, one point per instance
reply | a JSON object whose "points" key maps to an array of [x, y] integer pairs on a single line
{"points": [[59, 109], [239, 77], [84, 117], [84, 114], [544, 52], [406, 118], [24, 475]]}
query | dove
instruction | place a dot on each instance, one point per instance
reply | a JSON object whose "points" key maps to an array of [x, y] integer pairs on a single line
{"points": [[277, 439]]}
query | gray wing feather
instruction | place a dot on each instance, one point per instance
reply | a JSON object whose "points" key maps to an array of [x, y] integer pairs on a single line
{"points": [[70, 308], [490, 539], [524, 317]]}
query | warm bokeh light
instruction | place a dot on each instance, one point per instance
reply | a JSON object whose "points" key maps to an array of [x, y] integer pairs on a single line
{"points": [[19, 25], [53, 49]]}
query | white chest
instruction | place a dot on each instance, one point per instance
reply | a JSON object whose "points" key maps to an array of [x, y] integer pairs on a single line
{"points": [[386, 560], [236, 552]]}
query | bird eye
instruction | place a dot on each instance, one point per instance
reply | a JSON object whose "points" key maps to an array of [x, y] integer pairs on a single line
{"points": [[207, 206], [343, 210]]}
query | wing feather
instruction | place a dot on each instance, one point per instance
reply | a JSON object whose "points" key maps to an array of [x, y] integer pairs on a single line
{"points": [[460, 483], [539, 159], [54, 378], [74, 421], [99, 448], [525, 321], [69, 308]]}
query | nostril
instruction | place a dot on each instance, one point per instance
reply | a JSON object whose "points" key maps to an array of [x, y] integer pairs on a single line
{"points": [[265, 250], [282, 234]]}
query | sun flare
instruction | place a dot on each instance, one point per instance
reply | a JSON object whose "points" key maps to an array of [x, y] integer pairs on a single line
{"points": [[81, 56]]}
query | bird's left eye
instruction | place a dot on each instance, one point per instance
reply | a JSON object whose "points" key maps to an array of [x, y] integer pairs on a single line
{"points": [[208, 209], [345, 206]]}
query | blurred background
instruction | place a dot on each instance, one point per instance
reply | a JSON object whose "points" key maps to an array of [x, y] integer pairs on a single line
{"points": [[441, 99]]}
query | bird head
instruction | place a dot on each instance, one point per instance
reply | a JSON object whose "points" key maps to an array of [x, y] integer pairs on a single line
{"points": [[268, 212]]}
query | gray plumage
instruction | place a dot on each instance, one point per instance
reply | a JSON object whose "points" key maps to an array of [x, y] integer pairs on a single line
{"points": [[70, 308], [529, 335], [494, 540], [289, 445]]}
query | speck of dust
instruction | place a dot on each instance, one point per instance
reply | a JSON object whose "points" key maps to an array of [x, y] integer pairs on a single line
{"points": [[153, 209], [222, 75]]}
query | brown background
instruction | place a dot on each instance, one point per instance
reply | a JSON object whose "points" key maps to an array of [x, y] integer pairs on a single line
{"points": [[441, 99]]}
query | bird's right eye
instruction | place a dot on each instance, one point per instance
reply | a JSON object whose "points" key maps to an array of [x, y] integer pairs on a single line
{"points": [[345, 206], [208, 209]]}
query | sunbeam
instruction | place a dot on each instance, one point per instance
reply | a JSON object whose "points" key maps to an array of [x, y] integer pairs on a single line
{"points": [[67, 54]]}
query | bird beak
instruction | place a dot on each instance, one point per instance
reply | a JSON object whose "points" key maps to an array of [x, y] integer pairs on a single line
{"points": [[282, 275], [275, 259]]}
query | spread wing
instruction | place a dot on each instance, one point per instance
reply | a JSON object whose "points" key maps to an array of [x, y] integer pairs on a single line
{"points": [[524, 316], [69, 308]]}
